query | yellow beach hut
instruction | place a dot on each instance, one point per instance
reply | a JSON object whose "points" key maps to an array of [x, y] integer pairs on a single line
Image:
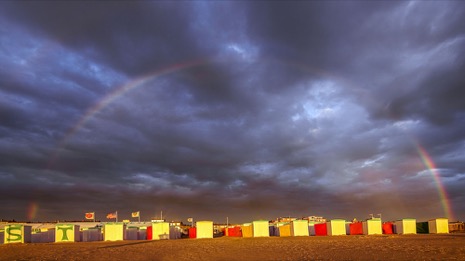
{"points": [[372, 227], [247, 230], [260, 228], [299, 228], [406, 226], [284, 229], [204, 229], [336, 227], [17, 234], [160, 230], [438, 226], [113, 231], [67, 233]]}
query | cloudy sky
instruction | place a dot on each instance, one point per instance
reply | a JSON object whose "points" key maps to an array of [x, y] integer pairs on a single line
{"points": [[246, 110]]}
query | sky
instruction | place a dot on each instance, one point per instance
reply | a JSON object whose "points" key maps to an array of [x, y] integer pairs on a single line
{"points": [[238, 110]]}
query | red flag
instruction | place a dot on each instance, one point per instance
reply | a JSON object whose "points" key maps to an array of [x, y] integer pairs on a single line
{"points": [[90, 215], [112, 215]]}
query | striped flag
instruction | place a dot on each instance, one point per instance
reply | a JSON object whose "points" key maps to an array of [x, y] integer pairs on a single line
{"points": [[112, 215], [90, 215], [135, 214]]}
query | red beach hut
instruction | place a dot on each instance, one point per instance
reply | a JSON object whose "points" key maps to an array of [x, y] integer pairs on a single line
{"points": [[149, 232], [234, 231], [192, 232], [387, 228], [320, 229], [356, 228]]}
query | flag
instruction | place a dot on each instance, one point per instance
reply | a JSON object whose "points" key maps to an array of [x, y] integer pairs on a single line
{"points": [[135, 214], [90, 215], [112, 215]]}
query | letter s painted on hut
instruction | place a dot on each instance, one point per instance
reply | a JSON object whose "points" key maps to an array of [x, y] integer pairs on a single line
{"points": [[13, 237]]}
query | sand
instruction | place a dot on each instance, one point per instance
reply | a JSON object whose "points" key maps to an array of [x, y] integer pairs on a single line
{"points": [[382, 247]]}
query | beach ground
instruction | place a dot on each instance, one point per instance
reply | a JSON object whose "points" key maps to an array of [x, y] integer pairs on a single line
{"points": [[377, 247]]}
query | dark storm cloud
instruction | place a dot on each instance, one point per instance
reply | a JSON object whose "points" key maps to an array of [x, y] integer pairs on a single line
{"points": [[134, 37], [272, 109]]}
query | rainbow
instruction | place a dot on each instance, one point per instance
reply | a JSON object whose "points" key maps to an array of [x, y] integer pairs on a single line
{"points": [[140, 81], [171, 69], [124, 89], [429, 164], [109, 98]]}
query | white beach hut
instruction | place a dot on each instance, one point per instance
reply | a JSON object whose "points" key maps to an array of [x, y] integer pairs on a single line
{"points": [[89, 234]]}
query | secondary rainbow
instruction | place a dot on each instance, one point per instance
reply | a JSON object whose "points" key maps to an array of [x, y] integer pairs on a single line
{"points": [[32, 211]]}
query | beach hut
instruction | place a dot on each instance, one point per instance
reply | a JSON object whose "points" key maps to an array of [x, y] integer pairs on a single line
{"points": [[67, 233], [356, 228], [406, 226], [260, 228], [299, 228], [132, 233], [321, 229], [91, 234], [234, 231], [142, 233], [456, 226], [311, 228], [438, 226], [387, 228], [160, 230], [284, 230], [336, 227], [113, 231], [175, 232], [274, 231], [204, 229], [44, 235], [192, 232], [17, 233], [372, 227], [422, 228], [148, 233], [247, 230]]}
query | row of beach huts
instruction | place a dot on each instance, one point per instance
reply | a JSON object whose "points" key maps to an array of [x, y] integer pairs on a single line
{"points": [[114, 231]]}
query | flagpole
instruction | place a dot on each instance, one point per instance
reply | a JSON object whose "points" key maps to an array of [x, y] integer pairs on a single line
{"points": [[116, 216], [139, 215]]}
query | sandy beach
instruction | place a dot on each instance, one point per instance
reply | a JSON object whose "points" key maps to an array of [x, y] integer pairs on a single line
{"points": [[385, 247]]}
